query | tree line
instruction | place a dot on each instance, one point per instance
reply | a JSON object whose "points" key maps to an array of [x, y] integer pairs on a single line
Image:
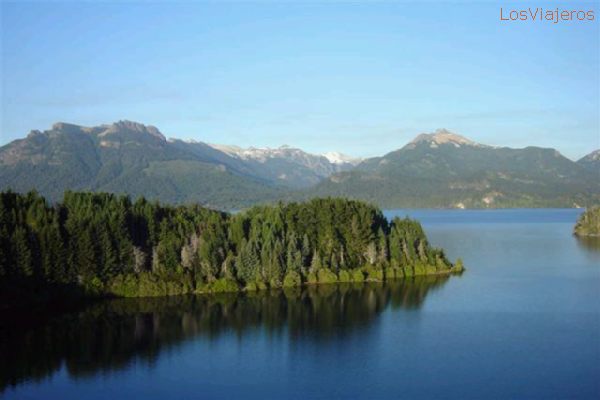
{"points": [[101, 243]]}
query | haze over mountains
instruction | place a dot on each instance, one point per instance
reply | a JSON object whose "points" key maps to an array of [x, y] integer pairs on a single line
{"points": [[441, 169]]}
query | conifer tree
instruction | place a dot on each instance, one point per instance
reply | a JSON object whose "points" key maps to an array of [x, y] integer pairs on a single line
{"points": [[315, 263], [22, 250]]}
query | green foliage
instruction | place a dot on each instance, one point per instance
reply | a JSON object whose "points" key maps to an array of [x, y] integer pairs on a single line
{"points": [[393, 273], [374, 274], [344, 276], [419, 269], [588, 223], [408, 270], [224, 285], [106, 244], [22, 252], [292, 279], [149, 285], [326, 276], [254, 286], [125, 286], [357, 275]]}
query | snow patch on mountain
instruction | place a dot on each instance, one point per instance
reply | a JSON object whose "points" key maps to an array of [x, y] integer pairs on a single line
{"points": [[262, 154], [335, 157]]}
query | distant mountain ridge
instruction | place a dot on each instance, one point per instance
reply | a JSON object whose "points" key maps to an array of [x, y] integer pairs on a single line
{"points": [[439, 169], [289, 166], [129, 157], [591, 162], [443, 169], [443, 136]]}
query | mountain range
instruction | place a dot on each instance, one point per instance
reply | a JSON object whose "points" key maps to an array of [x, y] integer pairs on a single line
{"points": [[441, 169], [444, 169]]}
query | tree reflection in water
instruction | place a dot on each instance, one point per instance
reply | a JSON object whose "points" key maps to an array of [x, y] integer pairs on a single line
{"points": [[109, 335], [591, 247]]}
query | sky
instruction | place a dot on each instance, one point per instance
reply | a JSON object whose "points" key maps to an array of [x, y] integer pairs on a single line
{"points": [[361, 78]]}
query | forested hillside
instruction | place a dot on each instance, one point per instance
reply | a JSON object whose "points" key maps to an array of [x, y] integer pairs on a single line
{"points": [[97, 243], [591, 162], [446, 170], [128, 158], [441, 169]]}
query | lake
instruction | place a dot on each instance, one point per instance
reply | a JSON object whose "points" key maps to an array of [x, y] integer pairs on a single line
{"points": [[523, 321]]}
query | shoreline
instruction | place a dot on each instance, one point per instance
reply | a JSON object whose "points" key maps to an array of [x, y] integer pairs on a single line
{"points": [[66, 300]]}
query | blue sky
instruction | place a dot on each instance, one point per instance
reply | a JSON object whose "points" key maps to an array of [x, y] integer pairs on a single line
{"points": [[363, 79]]}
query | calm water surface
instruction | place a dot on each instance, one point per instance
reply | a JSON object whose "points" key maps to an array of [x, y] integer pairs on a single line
{"points": [[522, 322]]}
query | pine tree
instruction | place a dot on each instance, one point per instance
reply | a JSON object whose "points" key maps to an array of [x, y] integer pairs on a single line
{"points": [[22, 251], [305, 251], [382, 247], [315, 263], [248, 262], [140, 259], [371, 253], [107, 257], [85, 256], [293, 258]]}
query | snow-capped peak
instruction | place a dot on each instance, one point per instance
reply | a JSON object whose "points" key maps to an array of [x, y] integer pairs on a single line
{"points": [[262, 154], [335, 157]]}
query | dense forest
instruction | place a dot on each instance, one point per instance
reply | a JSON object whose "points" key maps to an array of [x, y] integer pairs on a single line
{"points": [[588, 223], [105, 244]]}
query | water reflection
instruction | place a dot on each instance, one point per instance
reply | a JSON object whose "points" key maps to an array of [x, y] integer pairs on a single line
{"points": [[590, 245], [109, 335]]}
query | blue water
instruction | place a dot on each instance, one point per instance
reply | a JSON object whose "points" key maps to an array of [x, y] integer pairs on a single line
{"points": [[522, 322]]}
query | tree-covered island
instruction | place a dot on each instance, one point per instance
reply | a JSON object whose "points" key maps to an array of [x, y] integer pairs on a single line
{"points": [[105, 244], [588, 223]]}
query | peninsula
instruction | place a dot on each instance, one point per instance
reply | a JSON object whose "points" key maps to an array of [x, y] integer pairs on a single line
{"points": [[106, 245]]}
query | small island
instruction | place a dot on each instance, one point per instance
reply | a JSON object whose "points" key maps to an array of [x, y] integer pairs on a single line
{"points": [[588, 224], [100, 244]]}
